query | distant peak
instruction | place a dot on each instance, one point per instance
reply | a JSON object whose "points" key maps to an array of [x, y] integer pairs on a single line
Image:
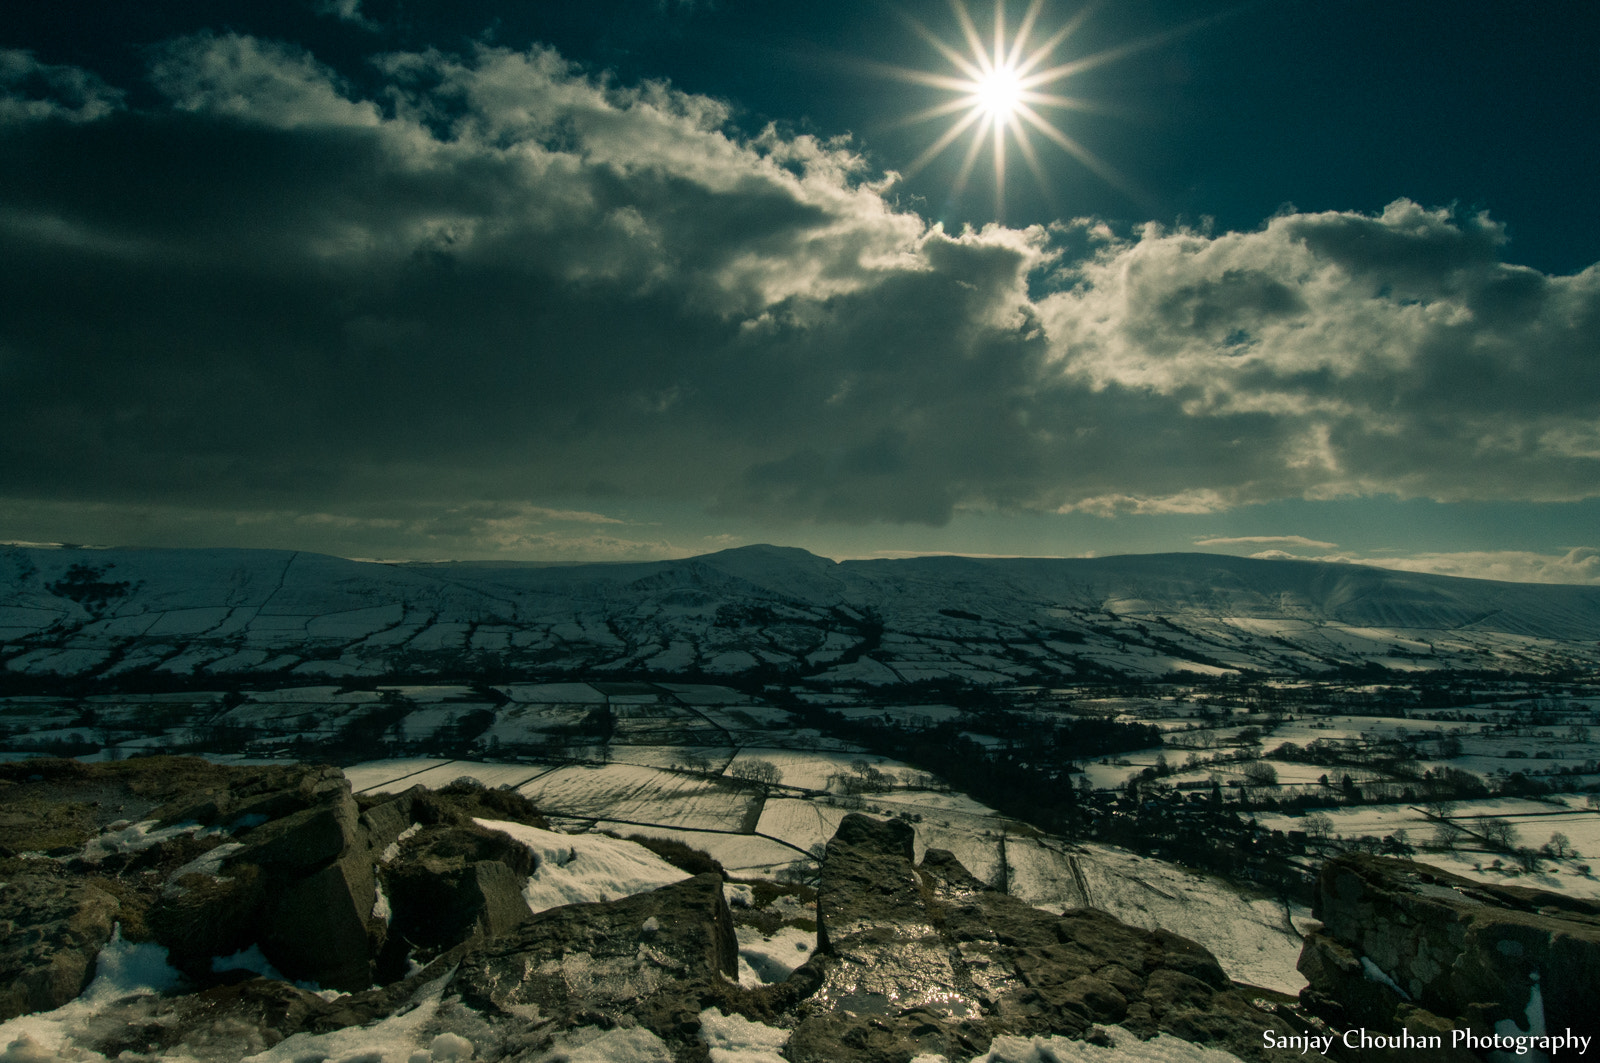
{"points": [[787, 553]]}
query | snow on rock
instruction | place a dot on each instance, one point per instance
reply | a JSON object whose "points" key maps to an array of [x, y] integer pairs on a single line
{"points": [[1125, 1048], [591, 1045], [577, 868], [131, 839], [123, 969], [774, 957], [397, 1039], [735, 1039]]}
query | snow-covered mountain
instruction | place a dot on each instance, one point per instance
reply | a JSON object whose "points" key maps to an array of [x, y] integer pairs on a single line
{"points": [[768, 610]]}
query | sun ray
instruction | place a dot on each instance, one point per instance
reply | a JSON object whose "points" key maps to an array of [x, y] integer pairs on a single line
{"points": [[1089, 159], [1000, 167], [1031, 157], [949, 137], [1024, 31], [970, 31]]}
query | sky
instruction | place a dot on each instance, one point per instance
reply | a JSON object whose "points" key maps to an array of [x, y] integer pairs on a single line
{"points": [[630, 279]]}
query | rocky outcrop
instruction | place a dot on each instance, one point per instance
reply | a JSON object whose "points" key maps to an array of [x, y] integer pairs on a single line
{"points": [[609, 963], [280, 858], [416, 909], [51, 929], [321, 892], [1407, 946], [928, 959]]}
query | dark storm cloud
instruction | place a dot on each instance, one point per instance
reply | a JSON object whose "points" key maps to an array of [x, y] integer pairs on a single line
{"points": [[501, 279]]}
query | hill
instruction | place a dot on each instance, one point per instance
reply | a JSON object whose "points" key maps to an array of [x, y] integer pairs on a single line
{"points": [[763, 611]]}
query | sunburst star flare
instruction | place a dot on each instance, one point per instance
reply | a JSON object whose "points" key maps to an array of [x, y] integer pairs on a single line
{"points": [[1002, 91]]}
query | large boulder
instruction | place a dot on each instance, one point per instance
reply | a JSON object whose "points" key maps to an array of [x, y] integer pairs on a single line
{"points": [[456, 881], [608, 957], [928, 960]]}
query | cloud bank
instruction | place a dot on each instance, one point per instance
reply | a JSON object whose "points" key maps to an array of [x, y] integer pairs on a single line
{"points": [[501, 281]]}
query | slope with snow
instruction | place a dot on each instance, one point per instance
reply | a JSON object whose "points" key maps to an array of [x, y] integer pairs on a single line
{"points": [[242, 613]]}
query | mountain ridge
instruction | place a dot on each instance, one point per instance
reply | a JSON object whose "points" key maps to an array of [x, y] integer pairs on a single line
{"points": [[748, 610]]}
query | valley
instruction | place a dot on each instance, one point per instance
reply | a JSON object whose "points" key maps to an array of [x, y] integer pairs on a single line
{"points": [[1180, 741]]}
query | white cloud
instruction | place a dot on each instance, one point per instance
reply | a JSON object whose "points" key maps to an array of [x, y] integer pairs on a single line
{"points": [[345, 11], [1578, 565], [31, 91], [258, 81], [1262, 540]]}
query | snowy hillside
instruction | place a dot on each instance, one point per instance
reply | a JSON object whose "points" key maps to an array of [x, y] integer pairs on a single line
{"points": [[765, 610]]}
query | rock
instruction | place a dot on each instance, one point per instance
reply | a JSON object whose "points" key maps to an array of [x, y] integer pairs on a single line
{"points": [[309, 838], [912, 960], [318, 927], [1404, 944], [589, 964], [456, 881], [199, 916], [51, 930], [383, 824], [930, 960]]}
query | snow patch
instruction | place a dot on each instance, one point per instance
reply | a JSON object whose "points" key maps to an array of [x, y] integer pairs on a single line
{"points": [[122, 970], [250, 959], [1374, 973], [774, 958], [578, 868], [132, 839], [1125, 1048], [735, 1039], [590, 1045]]}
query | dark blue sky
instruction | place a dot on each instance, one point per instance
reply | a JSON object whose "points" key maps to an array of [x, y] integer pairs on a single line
{"points": [[624, 278], [1236, 112]]}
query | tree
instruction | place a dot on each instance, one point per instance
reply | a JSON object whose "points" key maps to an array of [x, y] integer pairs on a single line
{"points": [[1498, 833], [1440, 807], [1319, 826], [1559, 846], [1260, 773], [764, 773], [1446, 834]]}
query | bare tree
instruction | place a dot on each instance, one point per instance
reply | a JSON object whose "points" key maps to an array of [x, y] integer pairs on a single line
{"points": [[1319, 826], [761, 772], [1498, 833], [1446, 834]]}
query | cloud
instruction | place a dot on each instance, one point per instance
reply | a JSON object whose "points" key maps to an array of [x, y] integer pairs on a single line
{"points": [[497, 276], [345, 11], [1369, 354], [257, 82], [1262, 540], [31, 90], [1579, 565]]}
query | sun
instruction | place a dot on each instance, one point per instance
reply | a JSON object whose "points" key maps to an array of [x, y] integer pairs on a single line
{"points": [[999, 93], [1000, 90]]}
